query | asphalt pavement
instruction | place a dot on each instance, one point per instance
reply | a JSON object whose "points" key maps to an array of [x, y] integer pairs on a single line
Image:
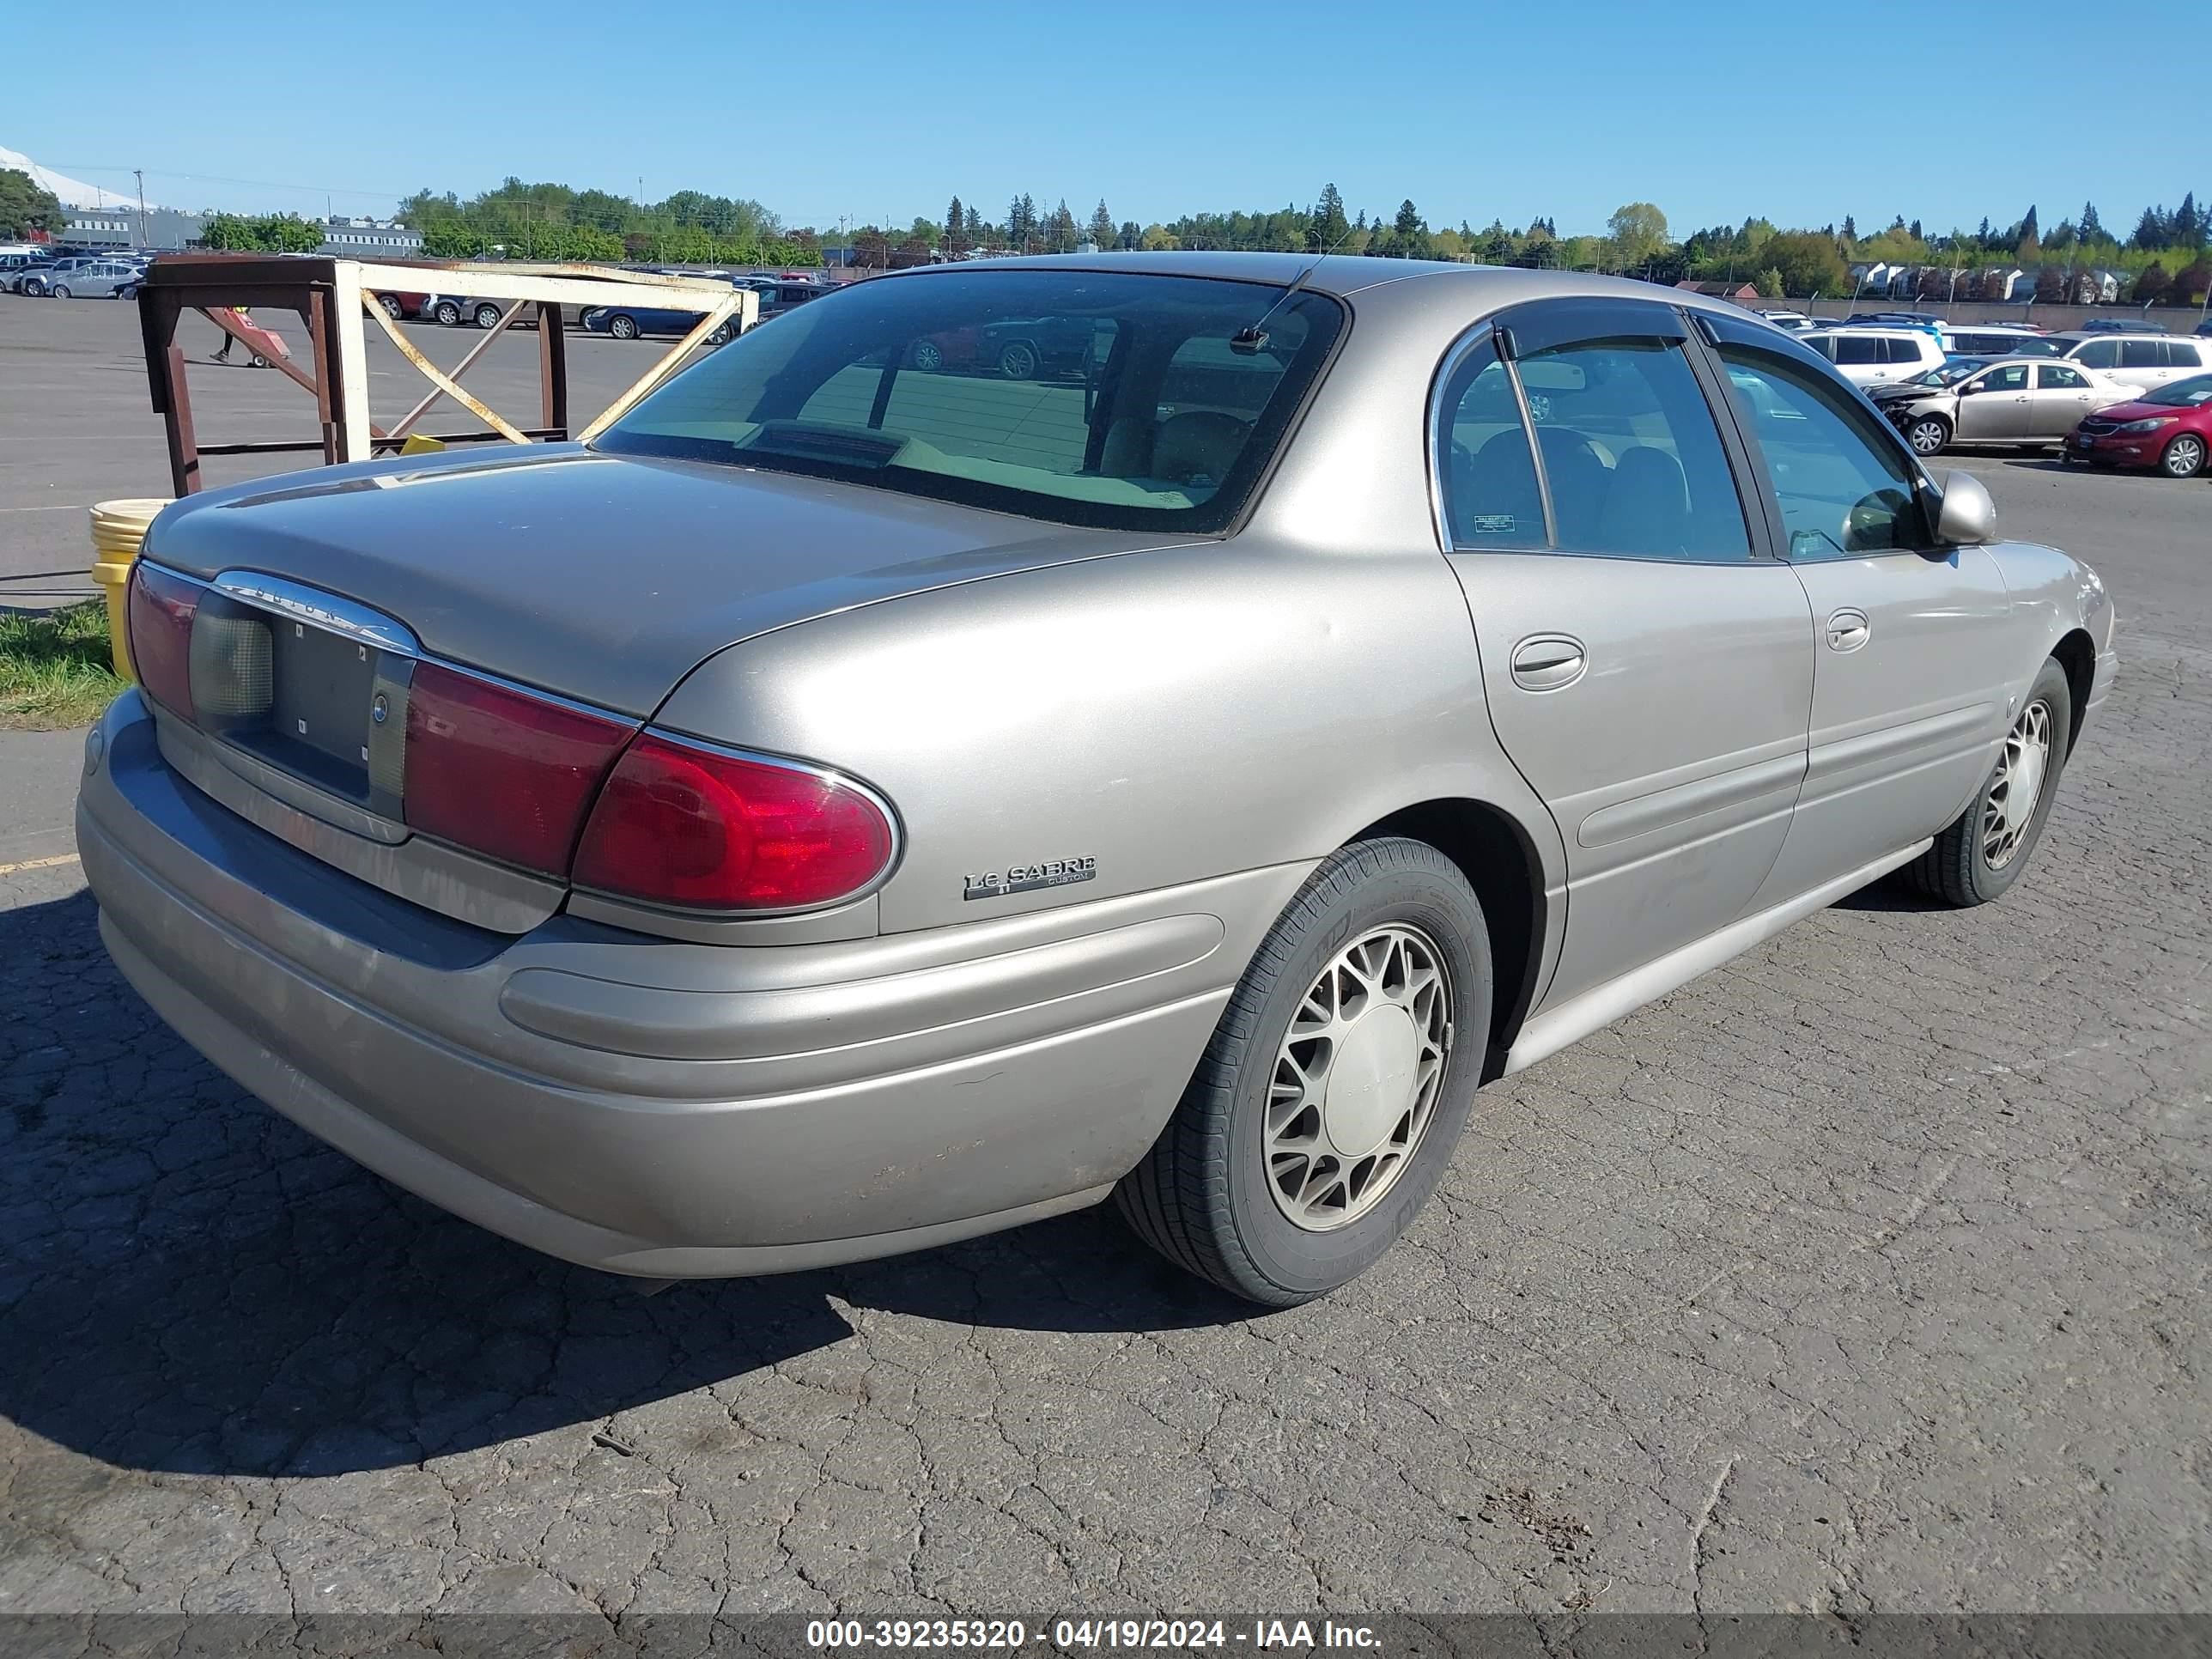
{"points": [[1867, 1273]]}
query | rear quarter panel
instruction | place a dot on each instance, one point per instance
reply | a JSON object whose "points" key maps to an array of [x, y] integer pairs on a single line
{"points": [[1173, 714]]}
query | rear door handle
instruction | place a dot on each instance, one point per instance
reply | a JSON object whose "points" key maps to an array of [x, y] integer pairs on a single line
{"points": [[1548, 662], [1848, 631]]}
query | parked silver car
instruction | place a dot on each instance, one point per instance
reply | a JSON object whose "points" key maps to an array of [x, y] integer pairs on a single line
{"points": [[2015, 400], [848, 807]]}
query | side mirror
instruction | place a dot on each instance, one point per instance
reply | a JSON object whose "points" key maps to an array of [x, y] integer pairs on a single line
{"points": [[1968, 517]]}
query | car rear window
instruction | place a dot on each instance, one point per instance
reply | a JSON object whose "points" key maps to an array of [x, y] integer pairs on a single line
{"points": [[1079, 397]]}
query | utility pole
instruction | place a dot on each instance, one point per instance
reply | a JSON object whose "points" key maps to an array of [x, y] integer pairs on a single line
{"points": [[139, 173]]}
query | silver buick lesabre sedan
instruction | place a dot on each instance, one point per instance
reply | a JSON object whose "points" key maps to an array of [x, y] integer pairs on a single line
{"points": [[853, 806]]}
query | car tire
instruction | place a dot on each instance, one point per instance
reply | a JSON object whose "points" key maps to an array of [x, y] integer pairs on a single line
{"points": [[720, 335], [1928, 433], [1221, 1190], [449, 314], [1018, 361], [928, 355], [58, 291], [1982, 853], [391, 306], [485, 317], [622, 327], [2184, 457]]}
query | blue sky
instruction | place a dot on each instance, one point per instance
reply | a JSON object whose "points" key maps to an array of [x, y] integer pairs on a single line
{"points": [[882, 112]]}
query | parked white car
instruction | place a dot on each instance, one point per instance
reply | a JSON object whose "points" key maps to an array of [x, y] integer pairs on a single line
{"points": [[1792, 322], [2144, 362], [1876, 356]]}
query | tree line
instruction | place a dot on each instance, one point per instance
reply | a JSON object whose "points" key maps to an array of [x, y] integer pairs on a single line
{"points": [[2163, 257]]}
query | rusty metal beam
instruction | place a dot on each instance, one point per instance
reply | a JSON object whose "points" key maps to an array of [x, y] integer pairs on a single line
{"points": [[437, 376], [552, 369], [406, 422]]}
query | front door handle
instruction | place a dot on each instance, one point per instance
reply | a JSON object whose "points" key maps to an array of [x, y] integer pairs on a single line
{"points": [[1848, 631], [1548, 662]]}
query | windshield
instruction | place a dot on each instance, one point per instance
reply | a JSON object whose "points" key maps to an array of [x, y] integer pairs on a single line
{"points": [[2182, 394], [1076, 396], [1950, 374]]}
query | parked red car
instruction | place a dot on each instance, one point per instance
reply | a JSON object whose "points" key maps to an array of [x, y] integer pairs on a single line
{"points": [[2169, 427]]}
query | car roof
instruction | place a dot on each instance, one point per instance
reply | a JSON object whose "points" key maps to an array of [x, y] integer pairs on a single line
{"points": [[1339, 275]]}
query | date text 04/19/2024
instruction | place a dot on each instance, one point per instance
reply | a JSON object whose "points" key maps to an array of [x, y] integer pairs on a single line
{"points": [[1088, 1635]]}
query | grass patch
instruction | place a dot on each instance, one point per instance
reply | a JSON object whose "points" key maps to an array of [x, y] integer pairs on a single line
{"points": [[55, 666]]}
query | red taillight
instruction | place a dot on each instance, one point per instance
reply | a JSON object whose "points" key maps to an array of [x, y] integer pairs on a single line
{"points": [[500, 772], [692, 827], [161, 608]]}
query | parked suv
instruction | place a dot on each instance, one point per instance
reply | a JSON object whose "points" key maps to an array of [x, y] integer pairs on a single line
{"points": [[1873, 356], [2138, 361], [1998, 340]]}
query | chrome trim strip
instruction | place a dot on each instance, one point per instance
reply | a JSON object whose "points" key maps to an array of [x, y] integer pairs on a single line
{"points": [[324, 611]]}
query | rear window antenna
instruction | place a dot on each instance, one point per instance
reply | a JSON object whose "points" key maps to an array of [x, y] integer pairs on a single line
{"points": [[1253, 337]]}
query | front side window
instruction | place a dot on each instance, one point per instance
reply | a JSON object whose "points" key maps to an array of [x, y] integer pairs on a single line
{"points": [[2099, 353], [1843, 491], [1076, 397], [1630, 452], [2013, 377]]}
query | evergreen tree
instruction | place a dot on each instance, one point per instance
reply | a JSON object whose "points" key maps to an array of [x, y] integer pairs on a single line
{"points": [[2150, 230], [956, 220], [2188, 230], [2090, 229], [1913, 231], [1408, 222], [1851, 230], [2028, 229], [1102, 228], [1983, 234], [976, 227], [1330, 225]]}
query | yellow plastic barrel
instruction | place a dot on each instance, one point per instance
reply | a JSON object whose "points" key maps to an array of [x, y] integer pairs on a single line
{"points": [[118, 530]]}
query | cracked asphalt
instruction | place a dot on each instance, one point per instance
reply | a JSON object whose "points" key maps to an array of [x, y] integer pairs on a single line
{"points": [[1867, 1273]]}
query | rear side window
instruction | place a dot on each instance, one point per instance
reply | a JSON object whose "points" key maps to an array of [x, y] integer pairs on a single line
{"points": [[2060, 377], [1844, 489], [2143, 354], [1859, 349], [1631, 453], [1905, 349], [1486, 476], [2181, 354]]}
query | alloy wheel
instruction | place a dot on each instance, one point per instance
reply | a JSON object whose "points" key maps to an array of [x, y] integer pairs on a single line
{"points": [[2008, 809], [1018, 362], [1357, 1077], [928, 355], [623, 328], [2185, 456]]}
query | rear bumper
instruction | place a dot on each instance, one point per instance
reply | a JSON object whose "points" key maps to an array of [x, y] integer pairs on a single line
{"points": [[656, 1107]]}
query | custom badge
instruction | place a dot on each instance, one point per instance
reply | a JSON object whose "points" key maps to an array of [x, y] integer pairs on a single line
{"points": [[1028, 877]]}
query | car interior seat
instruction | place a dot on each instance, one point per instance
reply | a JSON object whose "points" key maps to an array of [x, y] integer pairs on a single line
{"points": [[1647, 504], [1197, 447]]}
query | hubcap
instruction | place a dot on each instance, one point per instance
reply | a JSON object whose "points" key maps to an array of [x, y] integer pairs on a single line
{"points": [[1357, 1078], [2010, 806]]}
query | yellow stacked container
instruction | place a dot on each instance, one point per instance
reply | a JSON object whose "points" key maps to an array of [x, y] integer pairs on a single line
{"points": [[118, 530]]}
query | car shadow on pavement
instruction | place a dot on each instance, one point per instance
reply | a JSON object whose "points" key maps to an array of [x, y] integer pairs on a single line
{"points": [[189, 1283]]}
